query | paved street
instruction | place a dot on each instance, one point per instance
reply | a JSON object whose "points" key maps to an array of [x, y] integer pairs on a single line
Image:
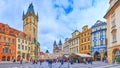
{"points": [[58, 65]]}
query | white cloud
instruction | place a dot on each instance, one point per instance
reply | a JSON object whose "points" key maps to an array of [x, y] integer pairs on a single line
{"points": [[50, 28]]}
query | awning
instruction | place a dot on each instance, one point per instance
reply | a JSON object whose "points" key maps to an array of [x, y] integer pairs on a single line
{"points": [[82, 55]]}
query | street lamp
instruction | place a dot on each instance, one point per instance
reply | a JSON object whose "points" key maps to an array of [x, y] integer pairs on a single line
{"points": [[91, 54], [67, 55]]}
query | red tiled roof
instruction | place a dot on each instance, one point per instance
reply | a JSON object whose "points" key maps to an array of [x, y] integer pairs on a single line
{"points": [[12, 30], [42, 53]]}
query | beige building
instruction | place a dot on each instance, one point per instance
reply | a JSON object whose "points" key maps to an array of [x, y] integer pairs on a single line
{"points": [[113, 30], [22, 47], [74, 42], [66, 46], [58, 49]]}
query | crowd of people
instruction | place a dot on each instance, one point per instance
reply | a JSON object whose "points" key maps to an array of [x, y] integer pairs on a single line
{"points": [[61, 61]]}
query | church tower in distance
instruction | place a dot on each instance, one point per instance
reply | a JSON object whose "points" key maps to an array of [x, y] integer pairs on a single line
{"points": [[30, 23]]}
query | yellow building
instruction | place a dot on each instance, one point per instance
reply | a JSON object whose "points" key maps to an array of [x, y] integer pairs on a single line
{"points": [[74, 42], [22, 47], [113, 30], [85, 42], [66, 46]]}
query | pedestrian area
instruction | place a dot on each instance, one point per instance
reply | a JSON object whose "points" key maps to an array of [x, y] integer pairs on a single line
{"points": [[58, 65]]}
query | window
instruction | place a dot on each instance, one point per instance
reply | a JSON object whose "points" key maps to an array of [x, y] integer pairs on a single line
{"points": [[25, 47], [89, 47], [113, 14], [9, 50], [88, 39], [6, 50], [84, 34], [26, 19], [3, 50], [84, 40], [18, 46], [26, 42], [113, 37], [18, 40], [12, 40], [22, 41], [34, 31], [29, 48], [4, 39], [89, 33], [101, 33], [8, 40], [94, 43], [113, 23], [12, 57], [82, 48], [85, 48], [101, 41], [22, 47], [0, 38]]}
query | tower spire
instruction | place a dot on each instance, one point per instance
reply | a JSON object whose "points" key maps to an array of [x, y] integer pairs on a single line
{"points": [[23, 12], [55, 43], [60, 43], [37, 15], [31, 8]]}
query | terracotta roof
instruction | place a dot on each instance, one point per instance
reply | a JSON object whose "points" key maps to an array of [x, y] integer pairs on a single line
{"points": [[12, 30], [42, 53]]}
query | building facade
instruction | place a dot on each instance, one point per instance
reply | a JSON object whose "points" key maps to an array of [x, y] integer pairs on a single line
{"points": [[58, 49], [74, 42], [7, 43], [85, 40], [20, 45], [30, 27], [113, 30], [66, 46], [30, 23], [99, 48]]}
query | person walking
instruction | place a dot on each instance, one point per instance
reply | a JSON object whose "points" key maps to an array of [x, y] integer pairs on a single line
{"points": [[61, 62], [40, 62], [50, 63], [21, 61]]}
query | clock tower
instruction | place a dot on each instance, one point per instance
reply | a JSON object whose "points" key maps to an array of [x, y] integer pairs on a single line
{"points": [[30, 23]]}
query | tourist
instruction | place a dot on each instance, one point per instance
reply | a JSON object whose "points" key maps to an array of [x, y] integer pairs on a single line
{"points": [[21, 61]]}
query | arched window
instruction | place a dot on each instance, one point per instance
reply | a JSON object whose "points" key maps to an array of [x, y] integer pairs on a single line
{"points": [[114, 38], [3, 50], [4, 58]]}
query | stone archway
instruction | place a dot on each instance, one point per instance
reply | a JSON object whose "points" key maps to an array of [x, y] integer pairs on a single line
{"points": [[8, 58], [28, 57], [18, 58], [97, 56], [116, 55], [4, 58]]}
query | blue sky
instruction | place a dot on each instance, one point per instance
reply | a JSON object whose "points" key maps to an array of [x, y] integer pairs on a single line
{"points": [[57, 18]]}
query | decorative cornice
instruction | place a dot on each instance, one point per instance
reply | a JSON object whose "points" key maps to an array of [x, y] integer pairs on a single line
{"points": [[111, 9]]}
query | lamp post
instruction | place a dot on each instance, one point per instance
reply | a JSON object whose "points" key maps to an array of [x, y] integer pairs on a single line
{"points": [[91, 55]]}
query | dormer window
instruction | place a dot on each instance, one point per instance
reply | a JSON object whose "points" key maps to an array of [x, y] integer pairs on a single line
{"points": [[113, 14], [113, 23]]}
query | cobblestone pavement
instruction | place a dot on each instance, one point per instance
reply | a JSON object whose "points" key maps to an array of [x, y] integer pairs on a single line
{"points": [[58, 65]]}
